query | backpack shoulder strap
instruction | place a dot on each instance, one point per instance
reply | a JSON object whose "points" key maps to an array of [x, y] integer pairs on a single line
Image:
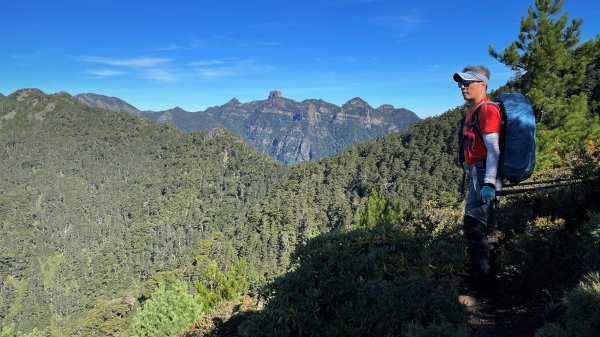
{"points": [[474, 120]]}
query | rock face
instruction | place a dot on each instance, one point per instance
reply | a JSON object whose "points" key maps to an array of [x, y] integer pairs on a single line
{"points": [[288, 130], [108, 103]]}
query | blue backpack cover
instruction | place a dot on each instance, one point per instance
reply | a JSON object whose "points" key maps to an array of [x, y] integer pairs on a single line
{"points": [[517, 137]]}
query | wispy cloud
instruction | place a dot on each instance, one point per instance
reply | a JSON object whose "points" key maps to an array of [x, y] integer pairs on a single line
{"points": [[224, 72], [228, 67], [233, 42], [27, 57], [347, 59], [162, 75], [275, 24], [104, 72], [206, 63], [401, 22], [360, 1], [268, 43], [183, 46], [138, 62], [433, 67]]}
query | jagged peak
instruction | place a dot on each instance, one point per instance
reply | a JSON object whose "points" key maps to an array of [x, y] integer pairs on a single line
{"points": [[176, 109], [27, 92], [356, 102], [275, 94], [386, 107], [233, 101]]}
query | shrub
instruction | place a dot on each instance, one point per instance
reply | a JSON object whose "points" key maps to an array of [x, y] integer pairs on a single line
{"points": [[550, 330], [545, 253], [167, 312], [368, 282], [437, 330], [216, 287], [583, 307]]}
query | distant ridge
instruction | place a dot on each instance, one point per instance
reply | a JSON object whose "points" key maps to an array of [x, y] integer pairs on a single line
{"points": [[287, 130], [108, 103]]}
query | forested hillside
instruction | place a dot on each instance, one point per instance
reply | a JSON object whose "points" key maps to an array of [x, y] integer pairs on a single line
{"points": [[112, 225], [95, 202]]}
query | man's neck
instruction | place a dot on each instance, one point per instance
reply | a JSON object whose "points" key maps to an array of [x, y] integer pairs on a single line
{"points": [[476, 100]]}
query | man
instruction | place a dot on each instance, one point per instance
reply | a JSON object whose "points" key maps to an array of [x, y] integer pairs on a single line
{"points": [[481, 149]]}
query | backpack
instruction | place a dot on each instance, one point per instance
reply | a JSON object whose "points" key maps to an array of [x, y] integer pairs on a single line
{"points": [[517, 136]]}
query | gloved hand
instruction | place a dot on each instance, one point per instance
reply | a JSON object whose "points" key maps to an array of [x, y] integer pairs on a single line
{"points": [[488, 194]]}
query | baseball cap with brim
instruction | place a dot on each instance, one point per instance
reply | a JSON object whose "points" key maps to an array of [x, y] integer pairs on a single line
{"points": [[469, 76]]}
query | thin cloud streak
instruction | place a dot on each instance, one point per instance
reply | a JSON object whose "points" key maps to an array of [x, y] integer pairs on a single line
{"points": [[347, 59], [104, 72], [205, 63], [229, 67], [186, 46], [139, 62], [401, 22], [162, 75]]}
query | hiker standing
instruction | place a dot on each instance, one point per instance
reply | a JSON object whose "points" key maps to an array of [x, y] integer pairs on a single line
{"points": [[481, 149]]}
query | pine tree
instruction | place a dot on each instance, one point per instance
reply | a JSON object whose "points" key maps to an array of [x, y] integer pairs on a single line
{"points": [[217, 286], [378, 211], [168, 311], [552, 64]]}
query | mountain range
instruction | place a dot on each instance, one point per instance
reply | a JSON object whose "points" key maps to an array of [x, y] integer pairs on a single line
{"points": [[287, 130]]}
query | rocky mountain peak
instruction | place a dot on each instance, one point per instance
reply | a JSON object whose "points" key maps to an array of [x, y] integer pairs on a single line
{"points": [[386, 107], [21, 94], [275, 94], [356, 102], [233, 101], [177, 110]]}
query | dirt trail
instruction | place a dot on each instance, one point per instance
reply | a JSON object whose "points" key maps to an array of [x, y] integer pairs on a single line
{"points": [[502, 317]]}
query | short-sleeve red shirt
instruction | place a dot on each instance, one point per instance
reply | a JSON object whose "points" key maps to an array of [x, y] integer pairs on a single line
{"points": [[489, 121]]}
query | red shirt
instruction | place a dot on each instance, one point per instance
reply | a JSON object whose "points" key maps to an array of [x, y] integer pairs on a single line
{"points": [[489, 121]]}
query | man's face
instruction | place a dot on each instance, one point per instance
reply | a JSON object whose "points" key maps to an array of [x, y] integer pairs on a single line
{"points": [[471, 90]]}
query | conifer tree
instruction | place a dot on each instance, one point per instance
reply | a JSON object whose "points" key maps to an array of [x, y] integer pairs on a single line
{"points": [[552, 64], [378, 211], [168, 312]]}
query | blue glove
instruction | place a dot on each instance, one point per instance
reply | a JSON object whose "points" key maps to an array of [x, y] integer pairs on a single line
{"points": [[488, 194]]}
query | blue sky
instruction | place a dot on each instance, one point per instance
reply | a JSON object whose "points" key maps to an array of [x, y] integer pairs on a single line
{"points": [[195, 54]]}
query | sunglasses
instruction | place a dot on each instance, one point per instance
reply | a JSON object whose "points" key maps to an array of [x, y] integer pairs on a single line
{"points": [[466, 83]]}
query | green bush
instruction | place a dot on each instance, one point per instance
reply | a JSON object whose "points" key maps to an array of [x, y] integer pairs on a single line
{"points": [[550, 254], [591, 241], [583, 307], [379, 211], [10, 331], [369, 282], [216, 286], [546, 253], [168, 311], [437, 330], [550, 330]]}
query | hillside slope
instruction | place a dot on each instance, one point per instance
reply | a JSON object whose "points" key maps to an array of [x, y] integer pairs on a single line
{"points": [[94, 202]]}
